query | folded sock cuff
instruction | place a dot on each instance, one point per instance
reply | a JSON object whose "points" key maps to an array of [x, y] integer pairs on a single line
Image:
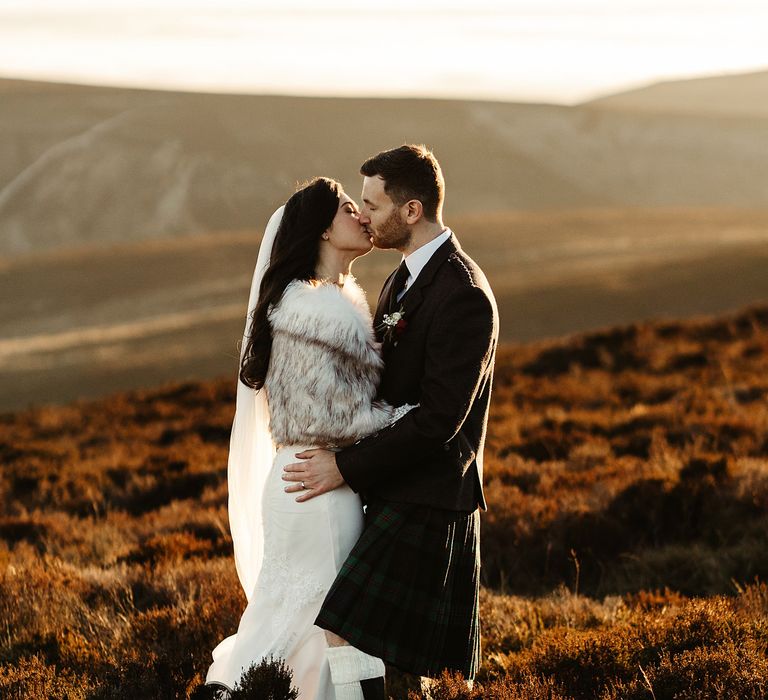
{"points": [[349, 665]]}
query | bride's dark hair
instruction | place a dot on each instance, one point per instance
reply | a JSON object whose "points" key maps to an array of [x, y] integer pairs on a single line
{"points": [[308, 213]]}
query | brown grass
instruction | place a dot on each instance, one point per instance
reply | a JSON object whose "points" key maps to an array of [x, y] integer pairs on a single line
{"points": [[623, 549]]}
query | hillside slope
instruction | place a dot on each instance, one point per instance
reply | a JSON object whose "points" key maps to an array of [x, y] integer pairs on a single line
{"points": [[93, 165], [735, 95], [86, 322]]}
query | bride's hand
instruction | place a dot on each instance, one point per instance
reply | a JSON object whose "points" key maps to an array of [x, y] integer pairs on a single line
{"points": [[317, 472]]}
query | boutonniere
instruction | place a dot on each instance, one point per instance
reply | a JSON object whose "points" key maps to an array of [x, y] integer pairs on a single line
{"points": [[393, 325]]}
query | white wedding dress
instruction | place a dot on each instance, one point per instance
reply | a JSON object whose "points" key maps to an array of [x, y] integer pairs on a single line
{"points": [[305, 546]]}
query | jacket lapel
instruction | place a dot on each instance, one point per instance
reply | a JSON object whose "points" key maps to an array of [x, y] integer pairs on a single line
{"points": [[381, 306], [415, 294]]}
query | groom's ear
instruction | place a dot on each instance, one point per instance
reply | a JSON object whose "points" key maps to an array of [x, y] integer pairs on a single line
{"points": [[414, 211]]}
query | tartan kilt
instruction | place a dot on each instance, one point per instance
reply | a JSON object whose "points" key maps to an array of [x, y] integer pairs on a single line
{"points": [[409, 590]]}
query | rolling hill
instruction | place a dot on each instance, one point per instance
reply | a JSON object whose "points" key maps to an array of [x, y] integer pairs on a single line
{"points": [[87, 321], [738, 95], [130, 219], [92, 165]]}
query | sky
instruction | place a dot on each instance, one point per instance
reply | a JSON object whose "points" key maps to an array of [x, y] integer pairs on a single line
{"points": [[558, 51]]}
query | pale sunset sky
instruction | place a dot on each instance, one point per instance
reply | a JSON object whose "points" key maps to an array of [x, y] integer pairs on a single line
{"points": [[560, 51]]}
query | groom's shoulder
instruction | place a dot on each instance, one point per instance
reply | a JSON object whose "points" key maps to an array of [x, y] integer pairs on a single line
{"points": [[464, 289], [461, 269]]}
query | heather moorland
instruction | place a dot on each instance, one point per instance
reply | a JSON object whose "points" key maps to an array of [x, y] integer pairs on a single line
{"points": [[624, 548]]}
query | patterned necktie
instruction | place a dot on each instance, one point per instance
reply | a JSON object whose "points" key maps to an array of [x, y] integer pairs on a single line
{"points": [[398, 282]]}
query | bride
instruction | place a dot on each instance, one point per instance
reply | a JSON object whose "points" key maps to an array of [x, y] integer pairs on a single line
{"points": [[309, 370]]}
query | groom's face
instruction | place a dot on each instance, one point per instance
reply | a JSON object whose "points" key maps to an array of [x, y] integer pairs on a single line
{"points": [[382, 218]]}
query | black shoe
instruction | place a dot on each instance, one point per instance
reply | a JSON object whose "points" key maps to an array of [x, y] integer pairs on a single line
{"points": [[373, 688]]}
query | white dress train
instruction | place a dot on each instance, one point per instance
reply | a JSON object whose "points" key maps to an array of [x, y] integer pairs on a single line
{"points": [[305, 547]]}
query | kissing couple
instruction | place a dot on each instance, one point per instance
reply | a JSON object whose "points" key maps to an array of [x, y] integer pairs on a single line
{"points": [[355, 468]]}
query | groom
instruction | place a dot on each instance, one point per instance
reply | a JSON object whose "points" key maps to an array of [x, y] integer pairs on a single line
{"points": [[408, 592]]}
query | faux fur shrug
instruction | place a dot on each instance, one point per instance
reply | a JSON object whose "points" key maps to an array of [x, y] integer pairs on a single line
{"points": [[325, 366]]}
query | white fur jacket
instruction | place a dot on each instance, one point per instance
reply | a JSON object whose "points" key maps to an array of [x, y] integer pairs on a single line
{"points": [[325, 366]]}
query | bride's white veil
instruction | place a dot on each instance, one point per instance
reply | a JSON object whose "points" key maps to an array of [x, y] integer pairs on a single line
{"points": [[251, 450]]}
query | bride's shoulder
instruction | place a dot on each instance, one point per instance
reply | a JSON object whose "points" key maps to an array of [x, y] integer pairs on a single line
{"points": [[311, 298], [338, 316], [353, 290], [324, 312], [308, 292]]}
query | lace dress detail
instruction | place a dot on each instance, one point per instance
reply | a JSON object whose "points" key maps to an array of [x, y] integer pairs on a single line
{"points": [[292, 587]]}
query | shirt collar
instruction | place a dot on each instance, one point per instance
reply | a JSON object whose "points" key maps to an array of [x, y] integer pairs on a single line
{"points": [[416, 261]]}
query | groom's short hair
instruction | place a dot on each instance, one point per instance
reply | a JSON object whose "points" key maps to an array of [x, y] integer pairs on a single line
{"points": [[409, 172]]}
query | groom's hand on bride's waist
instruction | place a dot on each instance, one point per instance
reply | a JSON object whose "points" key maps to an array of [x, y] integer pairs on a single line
{"points": [[317, 473]]}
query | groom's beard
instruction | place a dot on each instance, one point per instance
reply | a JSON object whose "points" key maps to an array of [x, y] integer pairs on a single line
{"points": [[393, 233]]}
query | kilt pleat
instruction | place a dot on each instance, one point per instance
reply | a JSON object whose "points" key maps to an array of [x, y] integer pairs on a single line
{"points": [[409, 590]]}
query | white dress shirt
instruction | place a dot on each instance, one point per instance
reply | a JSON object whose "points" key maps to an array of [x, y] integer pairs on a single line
{"points": [[416, 261]]}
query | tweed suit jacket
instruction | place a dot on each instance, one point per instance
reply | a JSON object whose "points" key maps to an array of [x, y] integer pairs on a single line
{"points": [[443, 360]]}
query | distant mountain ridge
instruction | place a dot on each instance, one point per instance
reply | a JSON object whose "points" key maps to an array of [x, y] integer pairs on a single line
{"points": [[738, 95], [82, 164]]}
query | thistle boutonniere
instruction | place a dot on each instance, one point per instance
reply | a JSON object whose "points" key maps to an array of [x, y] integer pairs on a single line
{"points": [[393, 325]]}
